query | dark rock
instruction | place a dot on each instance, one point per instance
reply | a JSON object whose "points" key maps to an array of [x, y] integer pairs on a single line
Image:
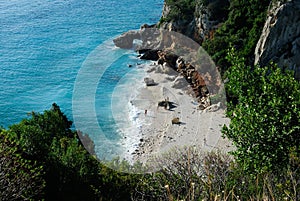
{"points": [[167, 57], [150, 55], [149, 82], [145, 26], [162, 104], [142, 51]]}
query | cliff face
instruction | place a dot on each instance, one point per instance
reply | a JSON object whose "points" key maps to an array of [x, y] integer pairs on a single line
{"points": [[206, 18], [181, 25], [280, 39]]}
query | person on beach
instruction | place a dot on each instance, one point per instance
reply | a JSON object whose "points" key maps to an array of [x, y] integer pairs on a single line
{"points": [[146, 112]]}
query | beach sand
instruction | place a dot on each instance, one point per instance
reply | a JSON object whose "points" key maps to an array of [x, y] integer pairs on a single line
{"points": [[198, 128]]}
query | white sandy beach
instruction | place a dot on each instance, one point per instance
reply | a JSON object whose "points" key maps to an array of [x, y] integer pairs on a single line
{"points": [[158, 134]]}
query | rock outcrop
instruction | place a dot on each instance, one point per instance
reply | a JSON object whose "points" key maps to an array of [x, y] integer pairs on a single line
{"points": [[280, 39], [209, 17], [206, 18], [184, 26], [190, 74], [125, 41], [149, 54]]}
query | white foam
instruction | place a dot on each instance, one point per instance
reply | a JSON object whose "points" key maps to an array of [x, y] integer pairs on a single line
{"points": [[126, 114]]}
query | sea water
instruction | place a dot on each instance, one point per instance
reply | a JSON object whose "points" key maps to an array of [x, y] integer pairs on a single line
{"points": [[43, 46]]}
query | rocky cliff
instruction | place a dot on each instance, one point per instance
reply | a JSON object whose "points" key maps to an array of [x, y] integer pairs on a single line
{"points": [[221, 23], [206, 17], [280, 39]]}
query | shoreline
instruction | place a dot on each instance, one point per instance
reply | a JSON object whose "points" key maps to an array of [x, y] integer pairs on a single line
{"points": [[157, 134]]}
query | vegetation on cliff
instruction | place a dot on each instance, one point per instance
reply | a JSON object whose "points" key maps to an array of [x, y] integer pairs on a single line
{"points": [[240, 25], [242, 30], [180, 10], [42, 158]]}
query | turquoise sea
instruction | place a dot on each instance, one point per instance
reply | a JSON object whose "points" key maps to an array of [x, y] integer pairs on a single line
{"points": [[44, 44]]}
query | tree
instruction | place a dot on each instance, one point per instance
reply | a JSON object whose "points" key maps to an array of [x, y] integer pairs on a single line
{"points": [[35, 134], [180, 9], [265, 119], [20, 179], [71, 173]]}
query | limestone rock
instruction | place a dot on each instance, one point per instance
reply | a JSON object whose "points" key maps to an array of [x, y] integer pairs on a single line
{"points": [[208, 17], [125, 41], [280, 38], [180, 83], [183, 26]]}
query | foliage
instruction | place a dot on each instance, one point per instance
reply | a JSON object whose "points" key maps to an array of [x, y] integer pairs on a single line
{"points": [[215, 176], [36, 133], [186, 174], [242, 29], [180, 9], [20, 179], [218, 9], [70, 172], [265, 120]]}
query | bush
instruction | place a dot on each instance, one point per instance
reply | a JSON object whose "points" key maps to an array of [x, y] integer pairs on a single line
{"points": [[20, 179], [265, 121], [241, 29], [180, 9], [188, 174]]}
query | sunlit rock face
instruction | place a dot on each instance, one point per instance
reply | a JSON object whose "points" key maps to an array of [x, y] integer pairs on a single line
{"points": [[280, 38]]}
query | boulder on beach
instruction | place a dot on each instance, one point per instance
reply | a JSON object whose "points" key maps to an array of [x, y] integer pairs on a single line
{"points": [[176, 120], [149, 81], [180, 83], [163, 104]]}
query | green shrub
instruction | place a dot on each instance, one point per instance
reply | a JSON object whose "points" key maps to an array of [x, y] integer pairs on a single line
{"points": [[180, 9], [265, 122], [20, 179], [241, 29]]}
